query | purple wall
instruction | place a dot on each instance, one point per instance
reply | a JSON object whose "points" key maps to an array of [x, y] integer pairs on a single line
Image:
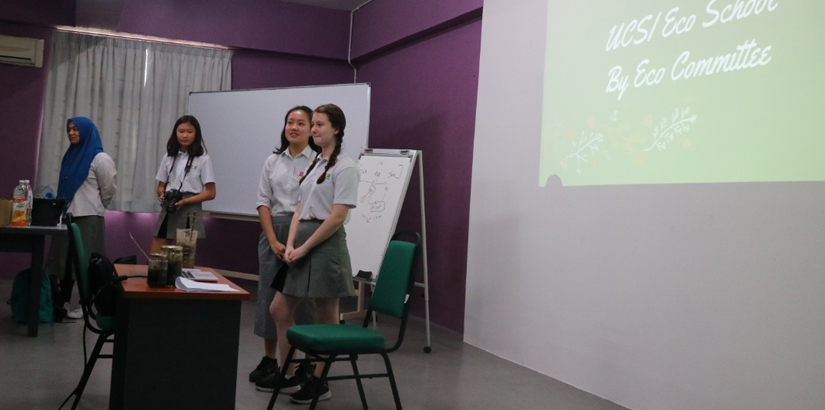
{"points": [[40, 12], [382, 23], [252, 69], [254, 24], [21, 113], [21, 106], [424, 97]]}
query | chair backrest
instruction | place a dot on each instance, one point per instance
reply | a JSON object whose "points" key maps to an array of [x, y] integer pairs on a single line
{"points": [[81, 264], [394, 279], [395, 283]]}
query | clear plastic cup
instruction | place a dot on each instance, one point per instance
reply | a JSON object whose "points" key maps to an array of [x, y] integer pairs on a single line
{"points": [[188, 240]]}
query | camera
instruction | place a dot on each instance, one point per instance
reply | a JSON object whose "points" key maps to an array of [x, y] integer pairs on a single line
{"points": [[170, 198]]}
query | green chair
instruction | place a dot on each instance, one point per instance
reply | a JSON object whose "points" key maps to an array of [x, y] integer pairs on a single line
{"points": [[342, 342], [103, 326]]}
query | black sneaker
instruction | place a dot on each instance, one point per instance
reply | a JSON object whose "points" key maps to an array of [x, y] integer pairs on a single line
{"points": [[304, 396], [266, 367], [288, 386], [304, 372]]}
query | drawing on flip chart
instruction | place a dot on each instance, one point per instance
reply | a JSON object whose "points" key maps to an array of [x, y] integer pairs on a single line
{"points": [[377, 187]]}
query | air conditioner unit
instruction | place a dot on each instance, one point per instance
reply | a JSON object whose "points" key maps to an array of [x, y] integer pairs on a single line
{"points": [[21, 51]]}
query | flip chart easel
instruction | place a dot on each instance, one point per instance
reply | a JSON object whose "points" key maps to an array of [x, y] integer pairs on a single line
{"points": [[384, 178]]}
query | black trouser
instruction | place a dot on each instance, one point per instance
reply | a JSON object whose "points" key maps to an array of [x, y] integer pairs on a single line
{"points": [[67, 282]]}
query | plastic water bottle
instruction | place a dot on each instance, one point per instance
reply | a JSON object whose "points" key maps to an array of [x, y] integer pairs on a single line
{"points": [[30, 203], [20, 206]]}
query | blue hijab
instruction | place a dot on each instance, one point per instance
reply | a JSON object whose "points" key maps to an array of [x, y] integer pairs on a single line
{"points": [[78, 159]]}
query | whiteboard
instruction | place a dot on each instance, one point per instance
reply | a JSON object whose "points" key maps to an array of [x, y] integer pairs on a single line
{"points": [[384, 177], [242, 128]]}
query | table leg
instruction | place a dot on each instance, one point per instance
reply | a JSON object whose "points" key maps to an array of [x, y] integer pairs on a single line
{"points": [[36, 280]]}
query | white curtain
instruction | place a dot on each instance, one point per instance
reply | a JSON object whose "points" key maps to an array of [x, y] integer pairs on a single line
{"points": [[133, 91]]}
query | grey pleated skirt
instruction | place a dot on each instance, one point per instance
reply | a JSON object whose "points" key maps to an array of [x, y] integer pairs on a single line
{"points": [[268, 264], [178, 220], [325, 272]]}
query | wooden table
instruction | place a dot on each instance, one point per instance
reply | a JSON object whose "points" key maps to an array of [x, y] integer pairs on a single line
{"points": [[30, 239], [175, 349]]}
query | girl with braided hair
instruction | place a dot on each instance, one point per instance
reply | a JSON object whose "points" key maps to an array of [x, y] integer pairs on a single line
{"points": [[316, 247]]}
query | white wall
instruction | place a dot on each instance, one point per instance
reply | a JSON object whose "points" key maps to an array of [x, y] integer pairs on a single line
{"points": [[692, 296]]}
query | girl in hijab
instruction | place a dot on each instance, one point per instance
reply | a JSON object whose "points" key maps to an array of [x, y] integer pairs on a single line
{"points": [[87, 183]]}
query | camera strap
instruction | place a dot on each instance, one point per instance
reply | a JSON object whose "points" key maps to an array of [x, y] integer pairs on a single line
{"points": [[185, 170]]}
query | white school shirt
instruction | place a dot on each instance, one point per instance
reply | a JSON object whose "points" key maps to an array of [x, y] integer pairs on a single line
{"points": [[97, 190], [339, 187], [199, 175], [278, 188]]}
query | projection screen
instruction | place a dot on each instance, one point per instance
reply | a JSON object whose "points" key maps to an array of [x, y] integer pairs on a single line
{"points": [[682, 92]]}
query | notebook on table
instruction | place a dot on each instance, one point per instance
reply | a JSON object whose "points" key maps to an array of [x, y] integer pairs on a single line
{"points": [[199, 275]]}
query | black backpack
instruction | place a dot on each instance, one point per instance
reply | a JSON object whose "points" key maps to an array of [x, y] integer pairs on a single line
{"points": [[103, 284], [103, 279]]}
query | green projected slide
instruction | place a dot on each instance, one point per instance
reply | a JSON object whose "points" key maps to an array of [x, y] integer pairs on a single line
{"points": [[653, 92]]}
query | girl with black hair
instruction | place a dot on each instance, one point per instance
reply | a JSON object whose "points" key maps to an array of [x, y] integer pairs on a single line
{"points": [[316, 249], [277, 196], [186, 168]]}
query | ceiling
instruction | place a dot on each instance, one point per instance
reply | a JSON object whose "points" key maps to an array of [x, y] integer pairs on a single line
{"points": [[105, 14]]}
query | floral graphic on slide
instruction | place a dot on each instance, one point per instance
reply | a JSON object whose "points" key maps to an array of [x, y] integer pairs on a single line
{"points": [[679, 123], [585, 148]]}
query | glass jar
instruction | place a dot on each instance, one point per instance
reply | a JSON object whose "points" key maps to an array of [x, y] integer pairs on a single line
{"points": [[158, 266], [174, 258]]}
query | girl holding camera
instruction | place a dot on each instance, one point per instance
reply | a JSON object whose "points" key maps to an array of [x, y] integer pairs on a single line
{"points": [[185, 180]]}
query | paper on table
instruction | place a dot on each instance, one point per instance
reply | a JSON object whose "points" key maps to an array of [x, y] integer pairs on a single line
{"points": [[192, 286]]}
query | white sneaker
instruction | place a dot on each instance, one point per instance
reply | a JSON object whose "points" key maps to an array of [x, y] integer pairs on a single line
{"points": [[75, 314]]}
